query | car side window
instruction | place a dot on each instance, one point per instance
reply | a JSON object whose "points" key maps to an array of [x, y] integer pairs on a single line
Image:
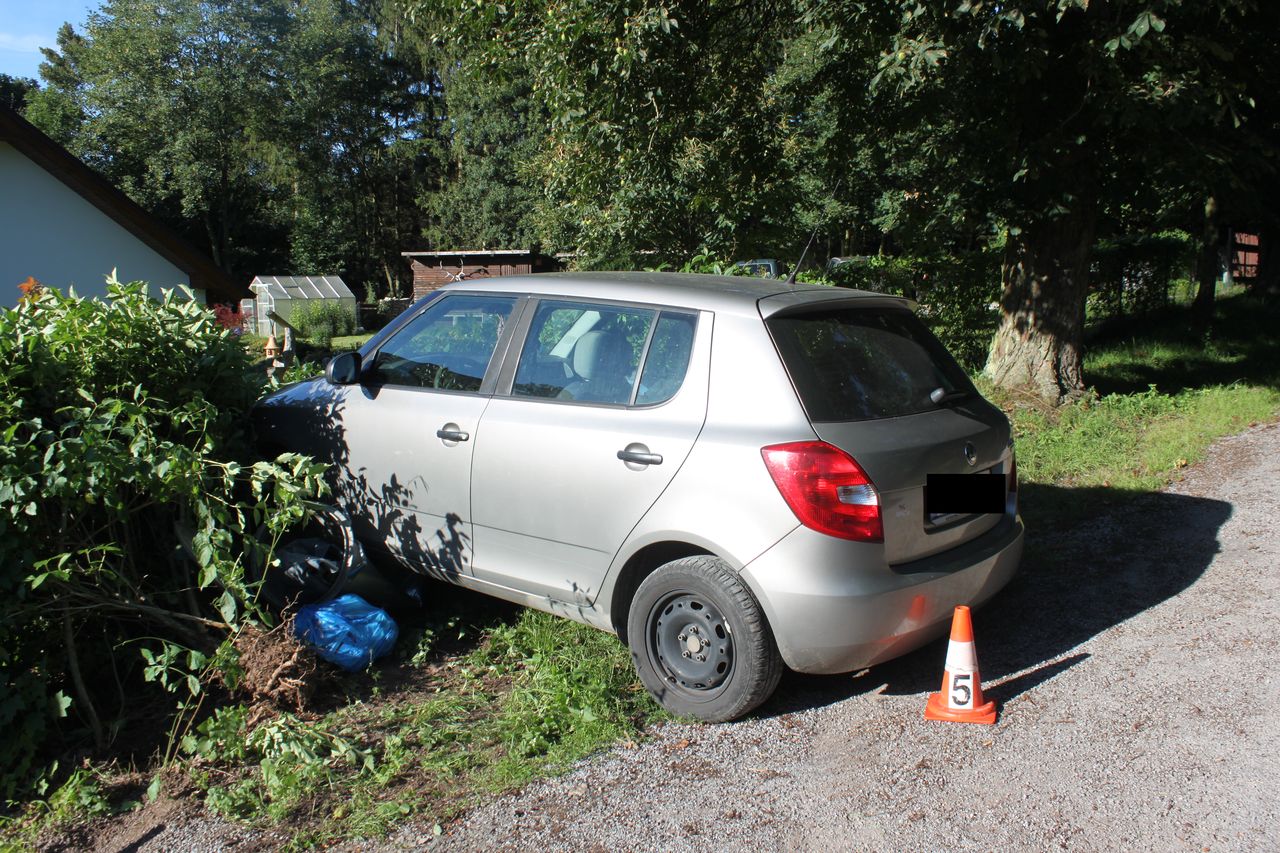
{"points": [[448, 346], [582, 352], [667, 360], [592, 353]]}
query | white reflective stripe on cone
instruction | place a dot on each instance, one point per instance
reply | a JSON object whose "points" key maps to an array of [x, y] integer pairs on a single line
{"points": [[961, 656]]}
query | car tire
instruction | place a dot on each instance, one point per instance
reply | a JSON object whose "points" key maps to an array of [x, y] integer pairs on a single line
{"points": [[700, 641]]}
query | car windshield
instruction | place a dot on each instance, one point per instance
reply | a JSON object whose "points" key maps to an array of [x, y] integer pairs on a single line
{"points": [[852, 364]]}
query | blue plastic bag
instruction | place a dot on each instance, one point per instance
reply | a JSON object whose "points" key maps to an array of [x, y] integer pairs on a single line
{"points": [[347, 631]]}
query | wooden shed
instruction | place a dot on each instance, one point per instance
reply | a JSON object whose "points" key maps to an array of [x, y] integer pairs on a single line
{"points": [[435, 269], [1245, 255]]}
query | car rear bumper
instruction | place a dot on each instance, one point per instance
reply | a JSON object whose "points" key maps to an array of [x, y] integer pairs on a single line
{"points": [[835, 606]]}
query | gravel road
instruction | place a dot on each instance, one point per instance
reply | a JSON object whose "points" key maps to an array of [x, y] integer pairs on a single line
{"points": [[1132, 660]]}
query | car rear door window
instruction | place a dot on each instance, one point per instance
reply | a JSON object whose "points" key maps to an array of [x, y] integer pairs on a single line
{"points": [[448, 346], [667, 360], [584, 352], [851, 364]]}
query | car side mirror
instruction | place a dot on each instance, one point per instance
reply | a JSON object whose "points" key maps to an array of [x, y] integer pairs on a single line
{"points": [[343, 369]]}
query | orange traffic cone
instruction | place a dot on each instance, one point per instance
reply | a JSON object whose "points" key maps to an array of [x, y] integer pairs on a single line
{"points": [[961, 697]]}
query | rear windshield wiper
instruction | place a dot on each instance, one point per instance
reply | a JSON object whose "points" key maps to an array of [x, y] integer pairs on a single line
{"points": [[941, 396]]}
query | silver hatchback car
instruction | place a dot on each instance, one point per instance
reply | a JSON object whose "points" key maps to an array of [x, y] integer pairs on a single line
{"points": [[731, 474]]}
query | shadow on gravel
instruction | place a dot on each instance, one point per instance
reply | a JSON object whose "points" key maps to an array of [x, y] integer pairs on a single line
{"points": [[1073, 584]]}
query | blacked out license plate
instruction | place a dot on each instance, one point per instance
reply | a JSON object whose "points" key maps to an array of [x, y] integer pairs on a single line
{"points": [[963, 494]]}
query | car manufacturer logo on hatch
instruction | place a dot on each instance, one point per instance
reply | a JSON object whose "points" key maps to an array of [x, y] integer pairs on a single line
{"points": [[970, 454]]}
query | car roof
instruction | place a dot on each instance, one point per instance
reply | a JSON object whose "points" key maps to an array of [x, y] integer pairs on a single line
{"points": [[725, 293]]}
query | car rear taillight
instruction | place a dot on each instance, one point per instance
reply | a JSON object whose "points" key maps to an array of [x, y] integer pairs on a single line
{"points": [[826, 489], [1013, 481]]}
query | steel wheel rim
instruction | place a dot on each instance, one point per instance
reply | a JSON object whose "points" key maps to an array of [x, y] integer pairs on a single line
{"points": [[691, 642]]}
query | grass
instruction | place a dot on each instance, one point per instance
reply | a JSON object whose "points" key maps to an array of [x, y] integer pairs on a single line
{"points": [[1126, 444], [1133, 442], [526, 697], [1162, 397], [1162, 349], [485, 697], [349, 342]]}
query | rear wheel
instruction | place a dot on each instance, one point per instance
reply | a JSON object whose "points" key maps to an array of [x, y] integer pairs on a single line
{"points": [[700, 641]]}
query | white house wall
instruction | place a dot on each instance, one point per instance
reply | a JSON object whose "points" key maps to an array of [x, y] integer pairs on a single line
{"points": [[49, 231]]}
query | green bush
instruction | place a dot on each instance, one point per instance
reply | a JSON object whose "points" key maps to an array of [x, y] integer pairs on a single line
{"points": [[878, 274], [320, 322], [123, 446], [957, 295], [1134, 275]]}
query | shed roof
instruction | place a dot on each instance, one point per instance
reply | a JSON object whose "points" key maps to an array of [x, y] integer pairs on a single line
{"points": [[302, 286], [99, 192], [454, 253]]}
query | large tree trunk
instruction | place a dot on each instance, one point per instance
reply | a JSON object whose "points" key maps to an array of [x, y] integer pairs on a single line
{"points": [[1039, 347], [1207, 283], [1208, 265]]}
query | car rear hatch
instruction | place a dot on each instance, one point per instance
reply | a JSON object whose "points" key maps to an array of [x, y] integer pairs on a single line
{"points": [[878, 385]]}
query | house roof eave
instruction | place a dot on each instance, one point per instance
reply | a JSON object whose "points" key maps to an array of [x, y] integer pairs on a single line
{"points": [[95, 189]]}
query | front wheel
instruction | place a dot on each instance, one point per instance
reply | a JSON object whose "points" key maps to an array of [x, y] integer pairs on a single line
{"points": [[700, 641]]}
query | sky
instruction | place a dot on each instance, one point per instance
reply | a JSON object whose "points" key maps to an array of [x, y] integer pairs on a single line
{"points": [[28, 25]]}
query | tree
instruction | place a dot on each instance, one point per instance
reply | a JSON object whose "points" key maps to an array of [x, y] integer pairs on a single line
{"points": [[493, 132], [281, 135], [172, 99], [354, 141], [59, 108], [662, 136], [14, 91], [1041, 103]]}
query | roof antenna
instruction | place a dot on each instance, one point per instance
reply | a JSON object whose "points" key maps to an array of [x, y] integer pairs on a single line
{"points": [[791, 279]]}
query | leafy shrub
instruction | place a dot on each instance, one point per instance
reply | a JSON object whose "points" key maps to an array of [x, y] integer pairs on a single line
{"points": [[30, 289], [321, 322], [703, 262], [575, 688], [1133, 275], [298, 371], [292, 757], [956, 294], [878, 274], [123, 444]]}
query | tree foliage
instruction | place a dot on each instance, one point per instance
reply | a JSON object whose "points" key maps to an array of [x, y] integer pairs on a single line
{"points": [[661, 135], [14, 91], [1032, 118], [336, 133], [280, 135], [487, 195]]}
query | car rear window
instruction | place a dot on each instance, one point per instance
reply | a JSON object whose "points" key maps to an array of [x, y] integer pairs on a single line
{"points": [[855, 364]]}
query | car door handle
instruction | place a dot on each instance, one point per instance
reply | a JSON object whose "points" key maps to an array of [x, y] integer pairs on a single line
{"points": [[452, 434], [640, 458]]}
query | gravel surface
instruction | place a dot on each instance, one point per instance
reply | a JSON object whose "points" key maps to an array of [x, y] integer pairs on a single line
{"points": [[1132, 664], [1132, 661]]}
